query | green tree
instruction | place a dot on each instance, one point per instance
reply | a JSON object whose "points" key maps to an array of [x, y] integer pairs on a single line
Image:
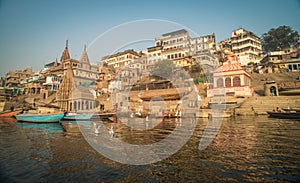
{"points": [[279, 38], [163, 69]]}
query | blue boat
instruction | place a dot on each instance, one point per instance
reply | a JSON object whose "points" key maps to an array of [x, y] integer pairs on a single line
{"points": [[78, 116], [40, 118]]}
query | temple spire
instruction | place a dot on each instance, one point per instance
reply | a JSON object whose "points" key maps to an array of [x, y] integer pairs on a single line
{"points": [[65, 55], [84, 57]]}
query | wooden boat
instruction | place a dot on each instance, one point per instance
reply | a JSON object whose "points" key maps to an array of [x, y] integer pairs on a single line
{"points": [[284, 115], [40, 117], [291, 109], [103, 115], [8, 114], [78, 116]]}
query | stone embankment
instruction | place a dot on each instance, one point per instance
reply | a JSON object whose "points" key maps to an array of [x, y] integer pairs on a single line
{"points": [[259, 105]]}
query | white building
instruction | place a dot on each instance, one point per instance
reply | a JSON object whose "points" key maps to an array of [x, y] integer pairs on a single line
{"points": [[180, 47], [52, 82], [120, 59], [246, 45], [175, 44]]}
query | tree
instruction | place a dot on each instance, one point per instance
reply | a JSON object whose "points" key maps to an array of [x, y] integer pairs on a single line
{"points": [[163, 69], [279, 38]]}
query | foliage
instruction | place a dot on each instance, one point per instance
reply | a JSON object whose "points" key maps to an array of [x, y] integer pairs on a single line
{"points": [[279, 38], [163, 68], [196, 67], [198, 80]]}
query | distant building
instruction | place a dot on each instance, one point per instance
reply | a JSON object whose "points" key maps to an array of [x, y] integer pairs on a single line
{"points": [[245, 44], [175, 44], [120, 59], [153, 55], [106, 75], [231, 79], [180, 47], [284, 60], [71, 97], [14, 78], [85, 71], [52, 82]]}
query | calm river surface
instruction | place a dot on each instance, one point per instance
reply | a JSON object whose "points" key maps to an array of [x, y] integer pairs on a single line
{"points": [[246, 149]]}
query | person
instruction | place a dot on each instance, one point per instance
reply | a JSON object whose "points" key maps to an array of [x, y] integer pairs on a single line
{"points": [[12, 108], [277, 109]]}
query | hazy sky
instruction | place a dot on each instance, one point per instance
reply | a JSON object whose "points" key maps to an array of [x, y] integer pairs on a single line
{"points": [[33, 32]]}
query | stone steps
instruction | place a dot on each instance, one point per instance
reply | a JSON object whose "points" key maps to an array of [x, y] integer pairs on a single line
{"points": [[260, 105]]}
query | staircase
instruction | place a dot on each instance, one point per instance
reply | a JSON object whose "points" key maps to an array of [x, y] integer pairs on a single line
{"points": [[261, 104]]}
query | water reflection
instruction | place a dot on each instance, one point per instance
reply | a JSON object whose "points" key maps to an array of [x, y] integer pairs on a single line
{"points": [[246, 149]]}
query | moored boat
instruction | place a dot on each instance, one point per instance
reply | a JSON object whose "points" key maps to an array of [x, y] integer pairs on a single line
{"points": [[78, 116], [291, 109], [8, 114], [40, 117], [284, 115]]}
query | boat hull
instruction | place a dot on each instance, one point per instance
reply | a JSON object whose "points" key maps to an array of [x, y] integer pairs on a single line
{"points": [[40, 118], [78, 117], [8, 114], [284, 115]]}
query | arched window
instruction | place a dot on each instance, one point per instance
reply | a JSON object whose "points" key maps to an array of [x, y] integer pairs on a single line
{"points": [[220, 82], [236, 81], [228, 82], [79, 105], [91, 104], [82, 104]]}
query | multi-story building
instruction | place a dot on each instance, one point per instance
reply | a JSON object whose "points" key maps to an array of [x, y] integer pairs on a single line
{"points": [[52, 82], [180, 47], [287, 59], [14, 78], [120, 59], [246, 45], [201, 43], [175, 44], [153, 55]]}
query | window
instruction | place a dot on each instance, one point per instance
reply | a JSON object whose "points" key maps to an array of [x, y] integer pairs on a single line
{"points": [[220, 82], [295, 67], [228, 82], [236, 81]]}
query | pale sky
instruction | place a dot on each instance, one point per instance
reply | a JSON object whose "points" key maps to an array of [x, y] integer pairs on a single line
{"points": [[33, 32]]}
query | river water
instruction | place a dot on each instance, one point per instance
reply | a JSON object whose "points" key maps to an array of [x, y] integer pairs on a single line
{"points": [[246, 149]]}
